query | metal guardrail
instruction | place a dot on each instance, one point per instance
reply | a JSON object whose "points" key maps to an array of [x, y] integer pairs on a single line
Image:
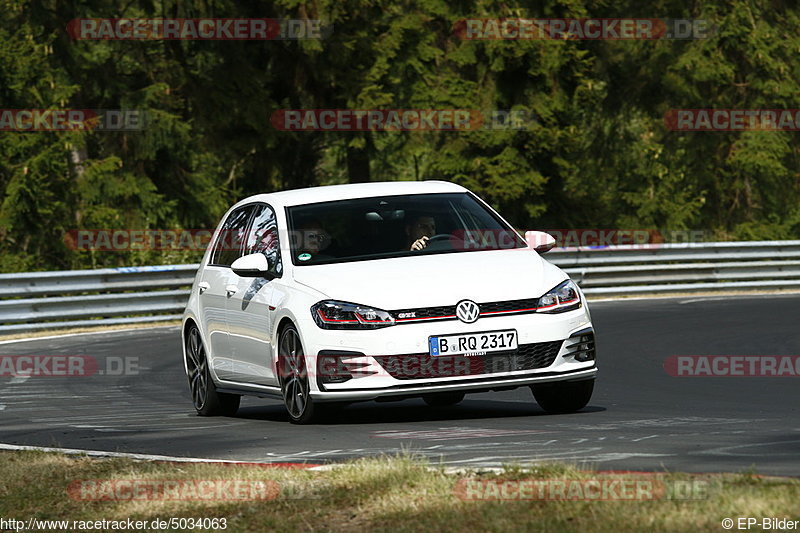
{"points": [[48, 300], [33, 301], [666, 268]]}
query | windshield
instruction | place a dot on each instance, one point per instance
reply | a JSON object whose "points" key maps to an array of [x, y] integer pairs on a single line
{"points": [[394, 226]]}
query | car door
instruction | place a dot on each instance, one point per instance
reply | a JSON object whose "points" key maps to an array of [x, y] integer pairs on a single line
{"points": [[216, 283], [251, 307]]}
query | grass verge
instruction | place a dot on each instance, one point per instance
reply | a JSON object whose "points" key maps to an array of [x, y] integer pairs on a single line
{"points": [[384, 494]]}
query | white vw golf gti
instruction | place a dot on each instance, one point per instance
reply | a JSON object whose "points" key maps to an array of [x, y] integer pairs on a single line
{"points": [[381, 291]]}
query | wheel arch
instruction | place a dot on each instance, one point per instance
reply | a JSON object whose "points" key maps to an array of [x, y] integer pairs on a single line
{"points": [[282, 323], [187, 324]]}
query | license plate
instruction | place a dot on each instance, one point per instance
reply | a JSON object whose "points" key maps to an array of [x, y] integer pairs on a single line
{"points": [[473, 343]]}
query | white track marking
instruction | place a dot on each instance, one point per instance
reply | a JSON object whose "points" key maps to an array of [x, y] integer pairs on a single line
{"points": [[731, 450], [48, 337], [452, 433], [712, 295], [139, 456]]}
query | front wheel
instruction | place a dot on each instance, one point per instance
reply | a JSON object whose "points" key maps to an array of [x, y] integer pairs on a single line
{"points": [[563, 396], [207, 401], [294, 378]]}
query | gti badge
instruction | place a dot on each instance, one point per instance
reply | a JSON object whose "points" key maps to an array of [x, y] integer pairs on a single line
{"points": [[467, 311]]}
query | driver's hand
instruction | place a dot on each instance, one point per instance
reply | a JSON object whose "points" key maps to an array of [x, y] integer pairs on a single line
{"points": [[420, 243]]}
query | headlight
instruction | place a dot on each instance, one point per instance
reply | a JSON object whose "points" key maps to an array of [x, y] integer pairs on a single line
{"points": [[330, 314], [563, 298]]}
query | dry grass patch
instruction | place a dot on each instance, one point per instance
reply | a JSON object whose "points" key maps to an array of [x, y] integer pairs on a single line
{"points": [[383, 494]]}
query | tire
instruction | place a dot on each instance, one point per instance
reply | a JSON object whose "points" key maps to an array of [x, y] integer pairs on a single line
{"points": [[207, 401], [293, 376], [564, 396], [443, 399]]}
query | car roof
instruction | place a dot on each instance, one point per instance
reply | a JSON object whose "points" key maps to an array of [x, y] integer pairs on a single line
{"points": [[328, 193]]}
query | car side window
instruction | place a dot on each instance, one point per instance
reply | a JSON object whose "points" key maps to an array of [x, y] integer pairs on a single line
{"points": [[228, 246], [262, 237]]}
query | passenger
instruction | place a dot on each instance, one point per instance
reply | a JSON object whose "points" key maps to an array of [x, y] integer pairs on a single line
{"points": [[313, 240]]}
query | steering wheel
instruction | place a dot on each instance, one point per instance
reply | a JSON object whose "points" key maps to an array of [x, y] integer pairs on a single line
{"points": [[439, 237]]}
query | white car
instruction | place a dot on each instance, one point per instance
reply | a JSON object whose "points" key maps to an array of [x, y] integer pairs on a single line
{"points": [[381, 291]]}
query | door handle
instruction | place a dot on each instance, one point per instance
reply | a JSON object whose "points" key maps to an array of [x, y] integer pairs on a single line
{"points": [[203, 286], [231, 289]]}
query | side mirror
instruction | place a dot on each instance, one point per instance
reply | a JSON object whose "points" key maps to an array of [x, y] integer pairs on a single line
{"points": [[540, 241], [252, 266]]}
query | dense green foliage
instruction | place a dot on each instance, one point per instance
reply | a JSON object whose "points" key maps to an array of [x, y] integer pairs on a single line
{"points": [[598, 155]]}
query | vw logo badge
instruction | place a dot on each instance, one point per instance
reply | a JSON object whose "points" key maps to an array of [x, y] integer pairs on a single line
{"points": [[467, 311]]}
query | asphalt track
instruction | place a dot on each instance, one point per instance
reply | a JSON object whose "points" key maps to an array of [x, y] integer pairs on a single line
{"points": [[639, 418]]}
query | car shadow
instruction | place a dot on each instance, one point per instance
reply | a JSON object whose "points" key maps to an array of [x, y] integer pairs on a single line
{"points": [[412, 410]]}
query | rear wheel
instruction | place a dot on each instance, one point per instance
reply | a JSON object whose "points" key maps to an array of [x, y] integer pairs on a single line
{"points": [[294, 378], [443, 399], [207, 401], [563, 396]]}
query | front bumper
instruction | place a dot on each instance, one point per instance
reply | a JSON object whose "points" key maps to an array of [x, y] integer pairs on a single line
{"points": [[364, 354], [482, 384]]}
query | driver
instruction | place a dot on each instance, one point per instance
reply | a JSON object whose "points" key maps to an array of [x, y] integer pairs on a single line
{"points": [[419, 231]]}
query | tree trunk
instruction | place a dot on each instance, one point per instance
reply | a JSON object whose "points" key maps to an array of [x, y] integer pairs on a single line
{"points": [[358, 161]]}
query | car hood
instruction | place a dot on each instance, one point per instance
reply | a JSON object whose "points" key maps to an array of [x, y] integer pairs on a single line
{"points": [[433, 280]]}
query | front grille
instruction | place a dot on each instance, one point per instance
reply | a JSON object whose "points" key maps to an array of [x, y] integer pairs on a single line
{"points": [[508, 306], [423, 366], [448, 312], [422, 313]]}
